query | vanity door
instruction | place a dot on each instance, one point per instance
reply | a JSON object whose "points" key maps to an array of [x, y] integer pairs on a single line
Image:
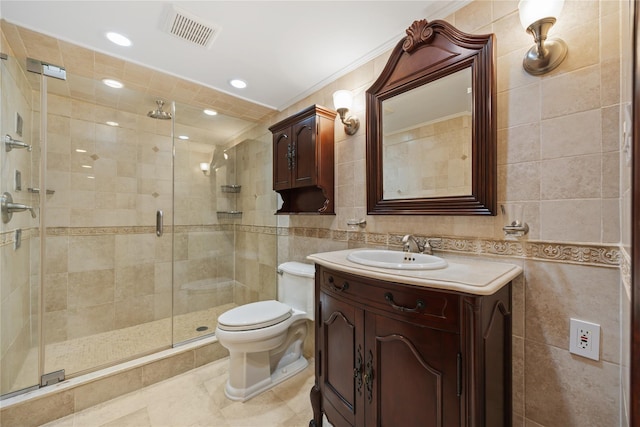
{"points": [[412, 374], [340, 333]]}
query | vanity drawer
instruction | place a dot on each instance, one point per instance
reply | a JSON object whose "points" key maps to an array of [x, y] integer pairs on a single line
{"points": [[422, 306]]}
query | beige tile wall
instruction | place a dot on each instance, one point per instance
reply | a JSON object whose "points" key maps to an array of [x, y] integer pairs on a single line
{"points": [[558, 155], [106, 268], [255, 237]]}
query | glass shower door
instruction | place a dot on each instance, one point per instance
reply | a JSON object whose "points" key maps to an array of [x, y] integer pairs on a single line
{"points": [[107, 283], [19, 231], [203, 284]]}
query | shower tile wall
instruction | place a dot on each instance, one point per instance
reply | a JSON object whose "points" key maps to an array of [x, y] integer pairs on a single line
{"points": [[255, 256], [106, 268], [19, 268]]}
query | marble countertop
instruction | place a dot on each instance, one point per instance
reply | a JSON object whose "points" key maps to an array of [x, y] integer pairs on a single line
{"points": [[477, 277]]}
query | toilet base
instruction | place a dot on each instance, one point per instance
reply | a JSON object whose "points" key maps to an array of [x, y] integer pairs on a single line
{"points": [[279, 375]]}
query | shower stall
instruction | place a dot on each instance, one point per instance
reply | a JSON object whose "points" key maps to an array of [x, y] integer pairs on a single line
{"points": [[138, 230]]}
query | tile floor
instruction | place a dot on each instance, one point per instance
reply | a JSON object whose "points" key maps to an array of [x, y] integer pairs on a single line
{"points": [[103, 349], [196, 398]]}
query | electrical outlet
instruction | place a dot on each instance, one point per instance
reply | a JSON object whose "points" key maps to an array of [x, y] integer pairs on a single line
{"points": [[584, 339]]}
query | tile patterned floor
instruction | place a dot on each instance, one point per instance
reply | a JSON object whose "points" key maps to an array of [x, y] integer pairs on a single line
{"points": [[103, 349], [196, 398]]}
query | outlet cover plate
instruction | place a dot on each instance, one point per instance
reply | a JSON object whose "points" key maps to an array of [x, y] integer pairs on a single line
{"points": [[584, 339]]}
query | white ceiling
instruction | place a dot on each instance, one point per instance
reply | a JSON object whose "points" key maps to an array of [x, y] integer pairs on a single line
{"points": [[285, 50]]}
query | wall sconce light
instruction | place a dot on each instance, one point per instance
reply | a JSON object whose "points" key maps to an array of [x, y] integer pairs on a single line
{"points": [[537, 17], [343, 101], [205, 168]]}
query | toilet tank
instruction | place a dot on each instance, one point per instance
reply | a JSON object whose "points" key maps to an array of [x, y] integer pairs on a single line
{"points": [[296, 283]]}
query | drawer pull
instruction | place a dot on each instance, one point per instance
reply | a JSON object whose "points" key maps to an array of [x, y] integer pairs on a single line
{"points": [[344, 287], [419, 304]]}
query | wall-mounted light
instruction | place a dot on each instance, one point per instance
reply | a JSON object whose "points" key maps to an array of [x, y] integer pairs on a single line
{"points": [[537, 17], [205, 168], [343, 101]]}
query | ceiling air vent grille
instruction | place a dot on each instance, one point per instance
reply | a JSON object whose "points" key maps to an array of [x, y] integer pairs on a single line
{"points": [[187, 27]]}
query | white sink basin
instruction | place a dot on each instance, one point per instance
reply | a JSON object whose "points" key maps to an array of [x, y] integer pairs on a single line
{"points": [[396, 260]]}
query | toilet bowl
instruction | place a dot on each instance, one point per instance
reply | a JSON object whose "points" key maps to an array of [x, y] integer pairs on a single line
{"points": [[265, 338]]}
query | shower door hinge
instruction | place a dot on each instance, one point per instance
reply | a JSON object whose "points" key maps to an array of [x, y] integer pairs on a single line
{"points": [[52, 378], [40, 67]]}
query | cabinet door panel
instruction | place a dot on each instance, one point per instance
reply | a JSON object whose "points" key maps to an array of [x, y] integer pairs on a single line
{"points": [[304, 171], [342, 340], [281, 163], [414, 374]]}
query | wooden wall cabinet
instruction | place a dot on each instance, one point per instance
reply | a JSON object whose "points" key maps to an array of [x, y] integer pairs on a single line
{"points": [[303, 161], [390, 354]]}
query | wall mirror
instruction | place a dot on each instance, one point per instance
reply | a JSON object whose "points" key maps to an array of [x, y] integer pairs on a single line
{"points": [[431, 129]]}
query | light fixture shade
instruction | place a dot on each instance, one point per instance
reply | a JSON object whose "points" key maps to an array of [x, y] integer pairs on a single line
{"points": [[204, 167], [343, 99], [533, 10]]}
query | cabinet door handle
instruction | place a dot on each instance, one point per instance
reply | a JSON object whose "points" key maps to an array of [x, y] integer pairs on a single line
{"points": [[419, 304], [344, 287], [289, 157], [293, 156], [368, 377], [357, 371]]}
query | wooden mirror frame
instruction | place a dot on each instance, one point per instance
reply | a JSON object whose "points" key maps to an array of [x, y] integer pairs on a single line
{"points": [[428, 52]]}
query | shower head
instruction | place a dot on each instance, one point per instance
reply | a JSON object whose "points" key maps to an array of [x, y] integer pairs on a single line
{"points": [[219, 159], [158, 113]]}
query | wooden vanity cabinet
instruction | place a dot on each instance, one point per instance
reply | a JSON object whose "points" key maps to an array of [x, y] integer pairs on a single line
{"points": [[303, 161], [390, 354]]}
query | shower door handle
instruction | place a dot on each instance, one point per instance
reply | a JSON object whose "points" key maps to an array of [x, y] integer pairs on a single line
{"points": [[159, 217]]}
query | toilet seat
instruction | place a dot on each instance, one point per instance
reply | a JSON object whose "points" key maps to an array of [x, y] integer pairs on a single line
{"points": [[256, 315]]}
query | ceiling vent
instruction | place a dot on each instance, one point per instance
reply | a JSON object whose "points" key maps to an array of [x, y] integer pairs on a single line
{"points": [[188, 27]]}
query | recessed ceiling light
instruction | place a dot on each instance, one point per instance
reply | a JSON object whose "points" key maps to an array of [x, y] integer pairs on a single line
{"points": [[87, 166], [118, 39], [80, 150], [113, 83], [183, 137], [91, 177], [210, 112], [237, 83], [110, 123]]}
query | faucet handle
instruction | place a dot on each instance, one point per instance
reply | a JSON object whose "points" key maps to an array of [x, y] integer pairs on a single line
{"points": [[434, 241], [406, 242]]}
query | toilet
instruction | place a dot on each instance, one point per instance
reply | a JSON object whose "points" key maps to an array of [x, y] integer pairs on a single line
{"points": [[265, 338]]}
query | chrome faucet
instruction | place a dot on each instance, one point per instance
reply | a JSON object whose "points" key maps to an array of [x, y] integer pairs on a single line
{"points": [[422, 246]]}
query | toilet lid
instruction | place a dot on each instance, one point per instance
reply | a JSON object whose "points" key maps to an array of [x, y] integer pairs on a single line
{"points": [[255, 315]]}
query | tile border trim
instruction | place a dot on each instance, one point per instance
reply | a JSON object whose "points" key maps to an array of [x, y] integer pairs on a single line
{"points": [[575, 253]]}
